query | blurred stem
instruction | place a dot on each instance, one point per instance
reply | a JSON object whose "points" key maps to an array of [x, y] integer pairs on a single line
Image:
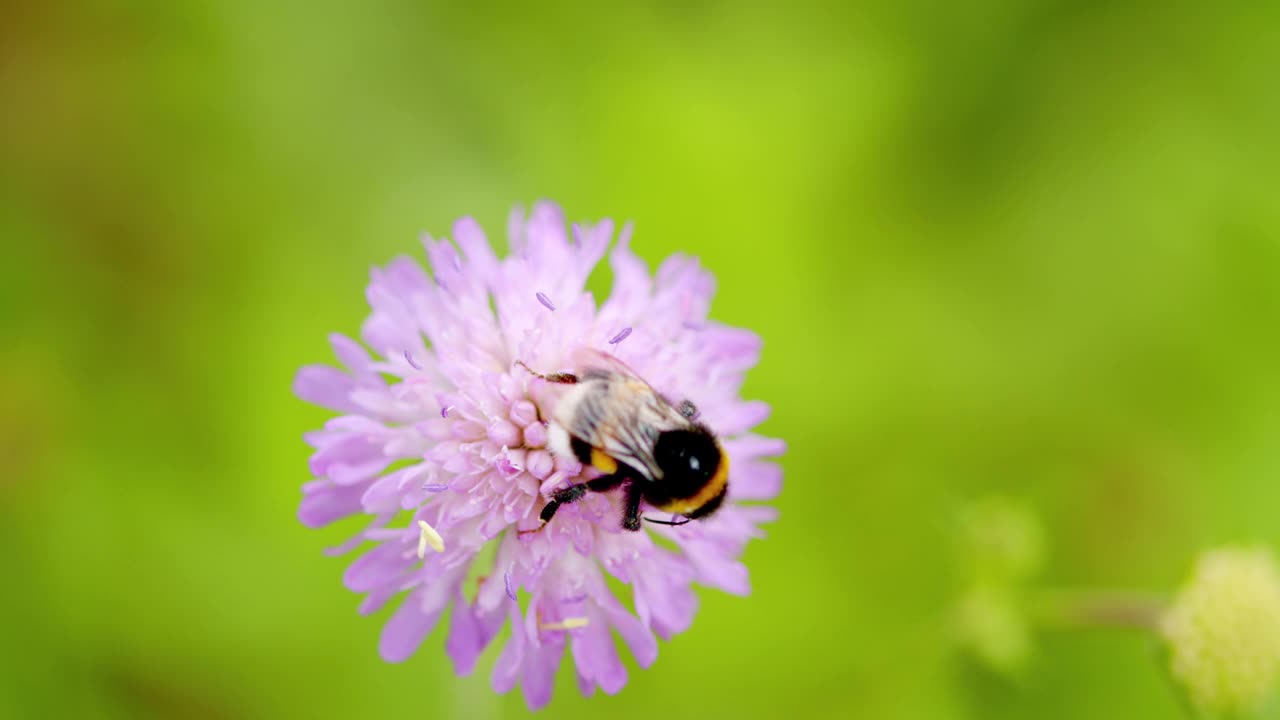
{"points": [[1075, 609]]}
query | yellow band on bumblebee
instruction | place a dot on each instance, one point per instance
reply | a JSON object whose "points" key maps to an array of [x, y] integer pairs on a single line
{"points": [[709, 492], [603, 463]]}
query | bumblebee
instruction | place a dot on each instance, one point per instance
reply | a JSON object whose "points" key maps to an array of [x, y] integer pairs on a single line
{"points": [[656, 451]]}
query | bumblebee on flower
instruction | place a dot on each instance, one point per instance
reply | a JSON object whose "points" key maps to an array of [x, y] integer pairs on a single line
{"points": [[656, 451], [493, 449]]}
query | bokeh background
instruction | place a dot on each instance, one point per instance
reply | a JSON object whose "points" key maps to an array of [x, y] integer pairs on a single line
{"points": [[1022, 249]]}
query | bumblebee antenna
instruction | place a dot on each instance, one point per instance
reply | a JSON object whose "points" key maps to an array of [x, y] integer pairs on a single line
{"points": [[684, 521]]}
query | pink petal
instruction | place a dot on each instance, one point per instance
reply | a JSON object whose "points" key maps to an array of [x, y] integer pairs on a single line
{"points": [[325, 502], [383, 565], [353, 355], [595, 657], [639, 639], [506, 671], [540, 673], [469, 236], [755, 480], [470, 632], [407, 628], [325, 386]]}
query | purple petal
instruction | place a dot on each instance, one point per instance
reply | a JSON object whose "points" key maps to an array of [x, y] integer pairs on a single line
{"points": [[668, 615], [358, 539], [472, 241], [718, 572], [631, 282], [506, 671], [355, 456], [405, 631], [384, 493], [731, 348], [596, 658], [381, 566], [755, 481], [323, 502], [743, 417], [325, 386], [443, 258], [470, 632], [374, 601], [402, 278], [540, 673], [545, 231], [353, 355], [754, 446], [590, 242], [644, 646], [663, 596]]}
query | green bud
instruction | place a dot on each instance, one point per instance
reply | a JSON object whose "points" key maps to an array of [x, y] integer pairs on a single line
{"points": [[1002, 540], [991, 625]]}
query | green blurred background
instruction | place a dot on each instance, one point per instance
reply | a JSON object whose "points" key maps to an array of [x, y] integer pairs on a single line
{"points": [[993, 247]]}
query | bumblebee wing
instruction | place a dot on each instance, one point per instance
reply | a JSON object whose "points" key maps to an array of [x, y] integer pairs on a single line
{"points": [[629, 435], [623, 415], [590, 360], [598, 364]]}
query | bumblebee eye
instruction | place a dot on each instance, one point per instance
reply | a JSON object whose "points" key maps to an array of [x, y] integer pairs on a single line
{"points": [[687, 458]]}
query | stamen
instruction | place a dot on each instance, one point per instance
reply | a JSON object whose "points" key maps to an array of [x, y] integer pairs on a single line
{"points": [[428, 536], [546, 301], [412, 363], [444, 411], [506, 580], [620, 336], [434, 487], [566, 624]]}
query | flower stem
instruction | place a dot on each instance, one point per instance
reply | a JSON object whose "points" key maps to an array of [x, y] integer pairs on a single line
{"points": [[1107, 609]]}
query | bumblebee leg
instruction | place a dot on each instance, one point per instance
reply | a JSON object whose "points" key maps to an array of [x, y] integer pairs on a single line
{"points": [[574, 493], [562, 378], [631, 518], [571, 494], [558, 498]]}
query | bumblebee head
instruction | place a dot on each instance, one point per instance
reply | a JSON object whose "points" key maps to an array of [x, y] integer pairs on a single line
{"points": [[694, 470]]}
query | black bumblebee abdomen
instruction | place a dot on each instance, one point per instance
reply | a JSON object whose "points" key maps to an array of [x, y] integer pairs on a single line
{"points": [[688, 458], [581, 449]]}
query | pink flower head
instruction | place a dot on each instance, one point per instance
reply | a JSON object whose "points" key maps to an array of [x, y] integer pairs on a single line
{"points": [[442, 396]]}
